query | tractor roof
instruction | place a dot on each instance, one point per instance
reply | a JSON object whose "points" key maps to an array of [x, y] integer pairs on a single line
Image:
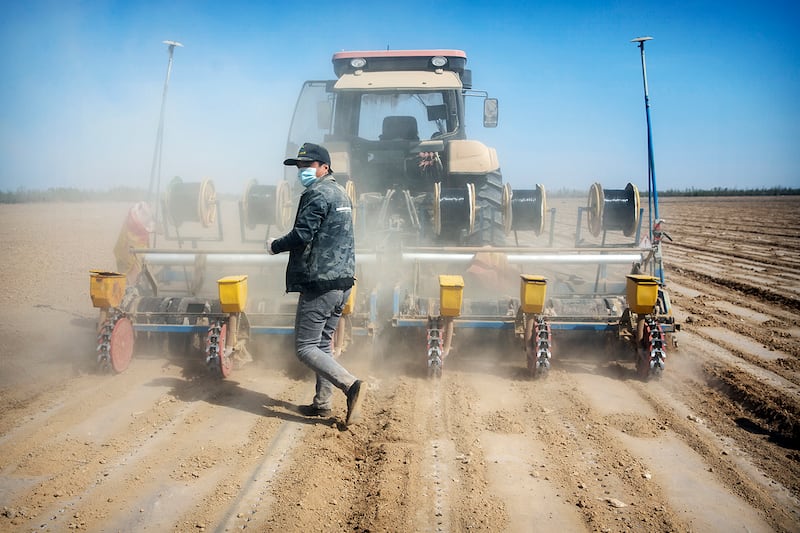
{"points": [[398, 60], [398, 81]]}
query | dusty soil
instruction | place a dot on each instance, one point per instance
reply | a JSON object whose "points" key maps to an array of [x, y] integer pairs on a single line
{"points": [[713, 446]]}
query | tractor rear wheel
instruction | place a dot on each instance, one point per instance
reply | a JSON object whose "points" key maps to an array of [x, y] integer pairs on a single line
{"points": [[489, 226]]}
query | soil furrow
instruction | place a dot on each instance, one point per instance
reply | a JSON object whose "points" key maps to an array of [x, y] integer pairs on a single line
{"points": [[740, 287], [711, 446]]}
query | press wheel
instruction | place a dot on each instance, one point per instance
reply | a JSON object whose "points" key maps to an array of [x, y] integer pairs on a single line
{"points": [[224, 360], [121, 345]]}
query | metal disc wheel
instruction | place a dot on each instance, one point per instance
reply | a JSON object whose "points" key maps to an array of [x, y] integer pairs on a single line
{"points": [[350, 188], [121, 346], [506, 208], [530, 351], [472, 208], [207, 203], [283, 205], [437, 211], [542, 207], [218, 361], [540, 349], [633, 193], [595, 209], [224, 360]]}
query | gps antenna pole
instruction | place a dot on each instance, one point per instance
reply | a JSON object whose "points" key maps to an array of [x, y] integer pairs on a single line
{"points": [[655, 225], [155, 169], [651, 164]]}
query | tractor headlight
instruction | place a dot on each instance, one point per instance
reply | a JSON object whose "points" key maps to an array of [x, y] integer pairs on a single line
{"points": [[358, 62], [438, 61]]}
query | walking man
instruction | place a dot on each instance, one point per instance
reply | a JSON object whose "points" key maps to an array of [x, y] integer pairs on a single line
{"points": [[322, 269]]}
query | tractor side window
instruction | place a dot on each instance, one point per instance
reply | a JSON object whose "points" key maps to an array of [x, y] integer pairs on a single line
{"points": [[312, 118]]}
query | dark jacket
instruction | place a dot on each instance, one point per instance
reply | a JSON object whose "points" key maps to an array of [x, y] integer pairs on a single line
{"points": [[321, 245]]}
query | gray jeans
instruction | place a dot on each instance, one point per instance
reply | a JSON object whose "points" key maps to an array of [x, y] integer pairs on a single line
{"points": [[317, 316]]}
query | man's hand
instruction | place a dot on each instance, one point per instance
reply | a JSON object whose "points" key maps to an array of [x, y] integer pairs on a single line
{"points": [[269, 246]]}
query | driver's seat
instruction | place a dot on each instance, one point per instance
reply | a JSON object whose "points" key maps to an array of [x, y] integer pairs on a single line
{"points": [[399, 128]]}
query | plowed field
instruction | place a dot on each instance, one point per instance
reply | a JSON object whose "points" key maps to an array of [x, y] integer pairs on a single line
{"points": [[712, 446]]}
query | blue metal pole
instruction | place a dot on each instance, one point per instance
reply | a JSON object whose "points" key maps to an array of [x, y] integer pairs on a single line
{"points": [[655, 219], [650, 158]]}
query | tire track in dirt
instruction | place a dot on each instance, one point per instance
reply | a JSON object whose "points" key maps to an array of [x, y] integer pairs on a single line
{"points": [[717, 233], [330, 474], [253, 498], [579, 468], [138, 473], [766, 381], [401, 469], [755, 314], [479, 450], [738, 275], [743, 288], [474, 505], [590, 434], [268, 427], [750, 258], [36, 451], [702, 418]]}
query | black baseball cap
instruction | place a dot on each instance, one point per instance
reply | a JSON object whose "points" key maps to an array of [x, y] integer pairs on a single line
{"points": [[310, 152]]}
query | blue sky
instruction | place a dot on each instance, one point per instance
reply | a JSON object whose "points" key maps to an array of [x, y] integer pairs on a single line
{"points": [[81, 87]]}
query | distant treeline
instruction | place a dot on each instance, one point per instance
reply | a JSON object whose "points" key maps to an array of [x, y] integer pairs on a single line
{"points": [[725, 191], [716, 191], [128, 194], [70, 194]]}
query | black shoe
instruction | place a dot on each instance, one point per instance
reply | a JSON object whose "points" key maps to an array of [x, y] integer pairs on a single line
{"points": [[313, 410], [355, 396]]}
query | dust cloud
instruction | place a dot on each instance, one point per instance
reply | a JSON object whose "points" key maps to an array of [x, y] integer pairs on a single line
{"points": [[484, 448], [45, 311]]}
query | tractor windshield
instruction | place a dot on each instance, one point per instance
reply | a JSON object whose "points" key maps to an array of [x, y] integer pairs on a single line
{"points": [[404, 116], [327, 116], [322, 115]]}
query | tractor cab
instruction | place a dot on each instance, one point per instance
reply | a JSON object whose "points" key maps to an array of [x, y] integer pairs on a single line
{"points": [[383, 110], [394, 124]]}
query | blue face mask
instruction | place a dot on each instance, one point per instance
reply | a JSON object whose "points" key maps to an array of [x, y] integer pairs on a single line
{"points": [[307, 176]]}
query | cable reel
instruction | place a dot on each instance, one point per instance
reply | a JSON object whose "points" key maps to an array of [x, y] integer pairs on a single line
{"points": [[191, 202], [453, 209], [267, 204], [528, 209], [613, 210]]}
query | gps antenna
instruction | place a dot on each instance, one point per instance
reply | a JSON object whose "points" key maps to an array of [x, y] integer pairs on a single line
{"points": [[155, 170]]}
